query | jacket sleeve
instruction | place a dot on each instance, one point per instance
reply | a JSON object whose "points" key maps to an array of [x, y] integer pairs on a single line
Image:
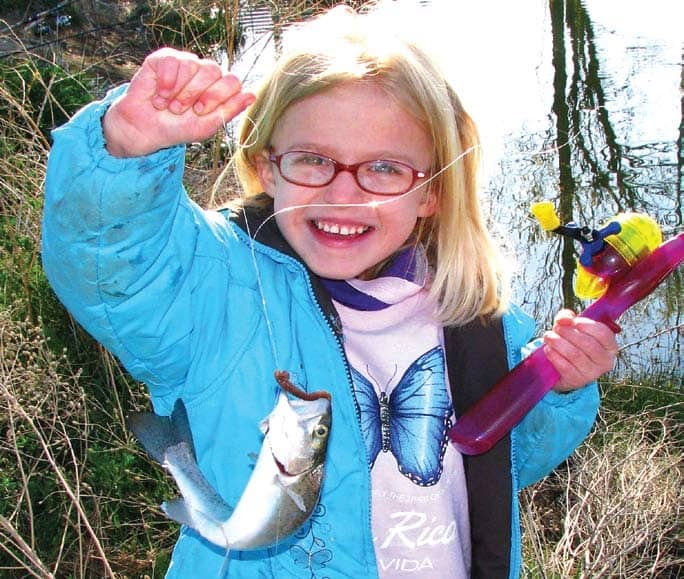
{"points": [[557, 424], [552, 430], [118, 244]]}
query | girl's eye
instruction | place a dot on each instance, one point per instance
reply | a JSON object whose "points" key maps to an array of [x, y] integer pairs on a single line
{"points": [[385, 168], [309, 159]]}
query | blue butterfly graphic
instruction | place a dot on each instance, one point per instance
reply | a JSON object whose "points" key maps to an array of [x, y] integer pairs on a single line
{"points": [[317, 556], [314, 560], [412, 421]]}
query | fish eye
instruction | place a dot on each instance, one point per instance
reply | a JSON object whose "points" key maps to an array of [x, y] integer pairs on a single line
{"points": [[321, 431]]}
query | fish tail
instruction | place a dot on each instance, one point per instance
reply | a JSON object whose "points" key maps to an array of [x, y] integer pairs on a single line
{"points": [[177, 509], [158, 433]]}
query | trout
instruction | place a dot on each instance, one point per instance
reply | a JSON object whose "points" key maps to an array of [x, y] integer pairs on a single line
{"points": [[281, 493]]}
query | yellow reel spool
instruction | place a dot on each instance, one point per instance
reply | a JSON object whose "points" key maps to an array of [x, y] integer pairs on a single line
{"points": [[639, 235]]}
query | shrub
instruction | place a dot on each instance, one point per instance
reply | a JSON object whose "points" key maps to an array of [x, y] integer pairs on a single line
{"points": [[195, 25], [41, 93], [75, 489]]}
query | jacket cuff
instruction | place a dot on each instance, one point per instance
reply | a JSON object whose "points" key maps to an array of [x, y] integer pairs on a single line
{"points": [[89, 120]]}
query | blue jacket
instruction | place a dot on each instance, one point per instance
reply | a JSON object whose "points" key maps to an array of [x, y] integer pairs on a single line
{"points": [[176, 293]]}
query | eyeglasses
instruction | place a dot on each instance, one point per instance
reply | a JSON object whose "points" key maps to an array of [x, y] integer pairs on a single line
{"points": [[380, 177]]}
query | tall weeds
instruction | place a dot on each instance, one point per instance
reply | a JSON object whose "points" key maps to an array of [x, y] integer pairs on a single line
{"points": [[615, 508], [73, 487], [46, 431]]}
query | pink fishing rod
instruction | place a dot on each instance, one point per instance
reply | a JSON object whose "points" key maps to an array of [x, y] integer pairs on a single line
{"points": [[629, 278]]}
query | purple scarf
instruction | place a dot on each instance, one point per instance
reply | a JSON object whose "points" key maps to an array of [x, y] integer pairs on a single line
{"points": [[409, 266]]}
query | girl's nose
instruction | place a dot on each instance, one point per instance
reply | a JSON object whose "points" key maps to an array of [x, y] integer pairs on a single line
{"points": [[343, 189]]}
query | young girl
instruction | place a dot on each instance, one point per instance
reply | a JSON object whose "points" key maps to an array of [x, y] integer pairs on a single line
{"points": [[357, 260]]}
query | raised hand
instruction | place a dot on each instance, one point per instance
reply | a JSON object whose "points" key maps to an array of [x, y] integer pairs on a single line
{"points": [[580, 349], [174, 98]]}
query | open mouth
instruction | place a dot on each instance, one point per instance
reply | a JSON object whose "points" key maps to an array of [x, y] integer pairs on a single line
{"points": [[342, 230], [283, 471], [281, 467]]}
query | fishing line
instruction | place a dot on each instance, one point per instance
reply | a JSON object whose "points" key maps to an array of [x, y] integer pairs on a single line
{"points": [[255, 265]]}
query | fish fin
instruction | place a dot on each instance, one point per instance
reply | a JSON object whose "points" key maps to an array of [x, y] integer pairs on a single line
{"points": [[157, 433], [201, 518], [153, 432], [296, 498], [177, 509], [263, 425], [180, 511]]}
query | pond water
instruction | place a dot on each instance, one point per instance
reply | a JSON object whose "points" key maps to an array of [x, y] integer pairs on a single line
{"points": [[578, 103]]}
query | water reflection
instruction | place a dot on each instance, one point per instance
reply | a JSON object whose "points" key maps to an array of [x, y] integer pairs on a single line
{"points": [[599, 166], [578, 104]]}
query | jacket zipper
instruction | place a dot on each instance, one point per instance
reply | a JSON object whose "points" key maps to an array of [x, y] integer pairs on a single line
{"points": [[516, 539], [337, 333], [340, 348]]}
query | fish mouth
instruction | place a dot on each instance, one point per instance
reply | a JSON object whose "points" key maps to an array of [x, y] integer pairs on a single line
{"points": [[283, 470], [281, 467]]}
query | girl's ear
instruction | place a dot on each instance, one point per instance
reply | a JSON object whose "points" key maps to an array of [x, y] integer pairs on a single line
{"points": [[265, 171], [430, 203]]}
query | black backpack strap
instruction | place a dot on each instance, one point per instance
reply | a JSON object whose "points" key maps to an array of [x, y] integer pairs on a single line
{"points": [[476, 360]]}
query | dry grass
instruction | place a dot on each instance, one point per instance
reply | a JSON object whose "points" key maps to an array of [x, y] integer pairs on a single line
{"points": [[74, 493], [615, 508], [45, 427]]}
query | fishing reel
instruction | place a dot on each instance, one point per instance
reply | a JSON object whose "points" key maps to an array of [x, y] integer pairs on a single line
{"points": [[607, 253]]}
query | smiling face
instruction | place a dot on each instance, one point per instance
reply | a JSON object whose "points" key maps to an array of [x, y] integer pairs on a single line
{"points": [[340, 230]]}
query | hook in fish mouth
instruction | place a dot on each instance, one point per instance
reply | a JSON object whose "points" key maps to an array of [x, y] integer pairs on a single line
{"points": [[283, 379]]}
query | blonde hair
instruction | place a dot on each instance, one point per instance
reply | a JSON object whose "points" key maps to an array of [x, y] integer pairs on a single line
{"points": [[344, 46]]}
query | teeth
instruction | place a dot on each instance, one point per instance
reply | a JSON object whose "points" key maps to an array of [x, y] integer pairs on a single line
{"points": [[341, 230]]}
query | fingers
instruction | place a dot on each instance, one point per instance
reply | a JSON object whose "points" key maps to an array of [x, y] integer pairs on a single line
{"points": [[166, 64], [581, 349], [185, 82], [221, 93], [174, 98], [195, 80]]}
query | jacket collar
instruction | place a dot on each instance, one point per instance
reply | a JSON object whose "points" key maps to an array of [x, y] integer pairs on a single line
{"points": [[256, 220]]}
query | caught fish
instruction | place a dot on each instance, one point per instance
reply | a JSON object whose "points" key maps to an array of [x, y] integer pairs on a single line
{"points": [[281, 493]]}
